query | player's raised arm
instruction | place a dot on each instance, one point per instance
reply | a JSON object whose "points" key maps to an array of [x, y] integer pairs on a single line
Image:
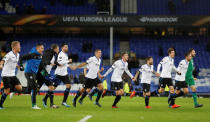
{"points": [[81, 65], [163, 61], [6, 58]]}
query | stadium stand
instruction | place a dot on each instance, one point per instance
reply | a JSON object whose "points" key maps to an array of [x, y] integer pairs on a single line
{"points": [[84, 7]]}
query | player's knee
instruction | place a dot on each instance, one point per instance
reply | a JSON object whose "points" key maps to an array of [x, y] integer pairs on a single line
{"points": [[88, 90], [100, 87], [82, 90], [51, 88], [121, 92], [193, 89], [7, 91], [68, 85], [18, 87], [161, 90], [118, 92], [186, 92], [177, 91]]}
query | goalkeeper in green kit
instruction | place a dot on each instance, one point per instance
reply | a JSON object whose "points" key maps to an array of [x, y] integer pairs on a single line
{"points": [[190, 79]]}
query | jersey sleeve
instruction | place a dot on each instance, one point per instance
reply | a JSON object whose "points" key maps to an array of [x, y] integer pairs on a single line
{"points": [[61, 60], [89, 60], [114, 65], [180, 66], [141, 69], [163, 61], [6, 57]]}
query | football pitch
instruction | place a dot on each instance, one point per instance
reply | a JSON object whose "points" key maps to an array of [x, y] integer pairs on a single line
{"points": [[19, 109]]}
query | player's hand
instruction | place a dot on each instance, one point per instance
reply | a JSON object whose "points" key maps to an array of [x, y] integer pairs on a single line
{"points": [[1, 66], [102, 69], [195, 78], [73, 67], [134, 79], [70, 60], [21, 68], [179, 73], [100, 76], [52, 64], [157, 74]]}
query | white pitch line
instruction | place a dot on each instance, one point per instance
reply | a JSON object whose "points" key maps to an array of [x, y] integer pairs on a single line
{"points": [[85, 118]]}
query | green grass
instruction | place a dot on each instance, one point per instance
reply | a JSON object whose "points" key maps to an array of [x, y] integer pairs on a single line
{"points": [[19, 109]]}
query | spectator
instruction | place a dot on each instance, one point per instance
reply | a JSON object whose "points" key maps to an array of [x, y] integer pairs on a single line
{"points": [[196, 41], [17, 8], [44, 9], [71, 77], [3, 2], [160, 51], [172, 7], [76, 80], [133, 63], [185, 1], [87, 47], [25, 9], [208, 47], [102, 5], [81, 78], [52, 2]]}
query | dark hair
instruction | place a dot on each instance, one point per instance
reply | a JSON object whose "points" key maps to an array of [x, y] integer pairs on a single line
{"points": [[62, 45], [97, 50], [187, 53], [54, 46], [190, 50], [148, 58], [170, 50], [123, 53], [39, 44]]}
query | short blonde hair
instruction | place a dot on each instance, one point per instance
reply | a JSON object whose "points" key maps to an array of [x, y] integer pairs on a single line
{"points": [[14, 43]]}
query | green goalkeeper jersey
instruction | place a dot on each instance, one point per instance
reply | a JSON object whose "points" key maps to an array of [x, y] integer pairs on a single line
{"points": [[189, 74]]}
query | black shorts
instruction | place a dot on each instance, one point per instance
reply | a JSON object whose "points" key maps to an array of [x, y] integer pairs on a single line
{"points": [[165, 81], [31, 81], [116, 85], [65, 79], [146, 87], [89, 83], [10, 82], [42, 80], [180, 84]]}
